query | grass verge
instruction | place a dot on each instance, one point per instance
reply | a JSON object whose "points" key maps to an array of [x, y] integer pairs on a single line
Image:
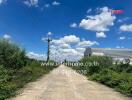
{"points": [[11, 80]]}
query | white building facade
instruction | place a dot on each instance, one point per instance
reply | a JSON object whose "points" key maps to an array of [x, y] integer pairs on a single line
{"points": [[116, 54]]}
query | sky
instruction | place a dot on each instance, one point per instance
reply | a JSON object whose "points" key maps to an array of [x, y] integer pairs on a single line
{"points": [[73, 26]]}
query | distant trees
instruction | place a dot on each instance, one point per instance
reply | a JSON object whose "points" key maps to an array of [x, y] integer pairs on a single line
{"points": [[11, 55]]}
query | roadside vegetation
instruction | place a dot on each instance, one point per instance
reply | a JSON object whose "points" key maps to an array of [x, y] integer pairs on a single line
{"points": [[16, 69], [117, 76]]}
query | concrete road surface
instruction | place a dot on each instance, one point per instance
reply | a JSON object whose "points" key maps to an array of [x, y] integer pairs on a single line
{"points": [[64, 83]]}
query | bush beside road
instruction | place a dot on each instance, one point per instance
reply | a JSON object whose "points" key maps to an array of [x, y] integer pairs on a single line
{"points": [[16, 69], [117, 76]]}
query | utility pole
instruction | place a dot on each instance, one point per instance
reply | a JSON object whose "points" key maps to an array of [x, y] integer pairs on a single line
{"points": [[48, 52]]}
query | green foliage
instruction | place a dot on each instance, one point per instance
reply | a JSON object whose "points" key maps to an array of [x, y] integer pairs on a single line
{"points": [[16, 69], [103, 61], [121, 67], [120, 81], [98, 63], [13, 79], [118, 76], [11, 55]]}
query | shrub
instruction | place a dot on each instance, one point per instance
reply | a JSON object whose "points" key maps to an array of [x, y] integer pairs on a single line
{"points": [[118, 76], [125, 88], [120, 81], [13, 79], [101, 63], [11, 55], [103, 76], [122, 67], [16, 69]]}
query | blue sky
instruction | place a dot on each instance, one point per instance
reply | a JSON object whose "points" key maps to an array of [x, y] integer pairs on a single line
{"points": [[86, 22]]}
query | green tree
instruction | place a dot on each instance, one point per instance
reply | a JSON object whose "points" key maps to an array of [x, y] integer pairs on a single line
{"points": [[11, 55]]}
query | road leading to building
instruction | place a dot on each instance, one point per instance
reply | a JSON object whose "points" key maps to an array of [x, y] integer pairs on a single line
{"points": [[64, 83]]}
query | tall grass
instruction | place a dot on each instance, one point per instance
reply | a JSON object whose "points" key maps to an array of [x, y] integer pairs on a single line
{"points": [[16, 69], [117, 76]]}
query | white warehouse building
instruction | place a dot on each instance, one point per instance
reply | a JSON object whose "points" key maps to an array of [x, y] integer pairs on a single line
{"points": [[118, 54]]}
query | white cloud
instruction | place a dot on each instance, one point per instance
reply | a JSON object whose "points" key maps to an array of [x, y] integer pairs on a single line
{"points": [[49, 33], [81, 50], [87, 43], [126, 28], [100, 22], [2, 1], [36, 56], [69, 47], [120, 20], [71, 51], [69, 54], [65, 46], [89, 10], [71, 39], [122, 38], [59, 45], [55, 3], [73, 25], [6, 36], [45, 38], [100, 35], [57, 42], [31, 3], [119, 47]]}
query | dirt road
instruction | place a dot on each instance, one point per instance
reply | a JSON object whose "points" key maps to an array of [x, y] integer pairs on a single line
{"points": [[65, 84]]}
